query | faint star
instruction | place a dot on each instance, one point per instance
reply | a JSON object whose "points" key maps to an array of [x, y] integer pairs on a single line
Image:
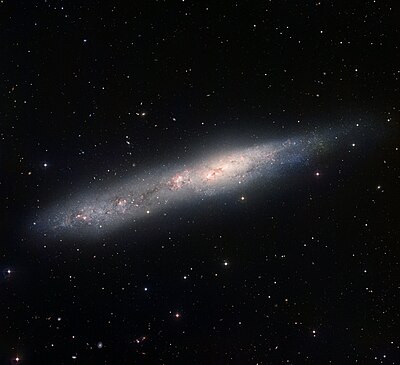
{"points": [[7, 273]]}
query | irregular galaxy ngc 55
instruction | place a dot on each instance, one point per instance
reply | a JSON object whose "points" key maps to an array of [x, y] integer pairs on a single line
{"points": [[121, 204]]}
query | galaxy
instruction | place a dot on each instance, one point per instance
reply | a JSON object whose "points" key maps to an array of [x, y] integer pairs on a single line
{"points": [[199, 182], [154, 192]]}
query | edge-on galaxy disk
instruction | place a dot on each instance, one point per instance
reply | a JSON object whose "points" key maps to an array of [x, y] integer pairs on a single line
{"points": [[118, 205]]}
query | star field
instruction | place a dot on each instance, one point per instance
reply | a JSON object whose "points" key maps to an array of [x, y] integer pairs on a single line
{"points": [[199, 182]]}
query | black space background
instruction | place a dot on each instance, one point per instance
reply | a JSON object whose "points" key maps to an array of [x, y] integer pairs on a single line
{"points": [[312, 274]]}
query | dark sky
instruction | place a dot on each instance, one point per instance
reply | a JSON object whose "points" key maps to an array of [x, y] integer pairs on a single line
{"points": [[305, 270]]}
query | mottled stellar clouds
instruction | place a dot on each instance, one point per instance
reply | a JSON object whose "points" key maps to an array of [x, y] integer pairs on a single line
{"points": [[119, 204]]}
